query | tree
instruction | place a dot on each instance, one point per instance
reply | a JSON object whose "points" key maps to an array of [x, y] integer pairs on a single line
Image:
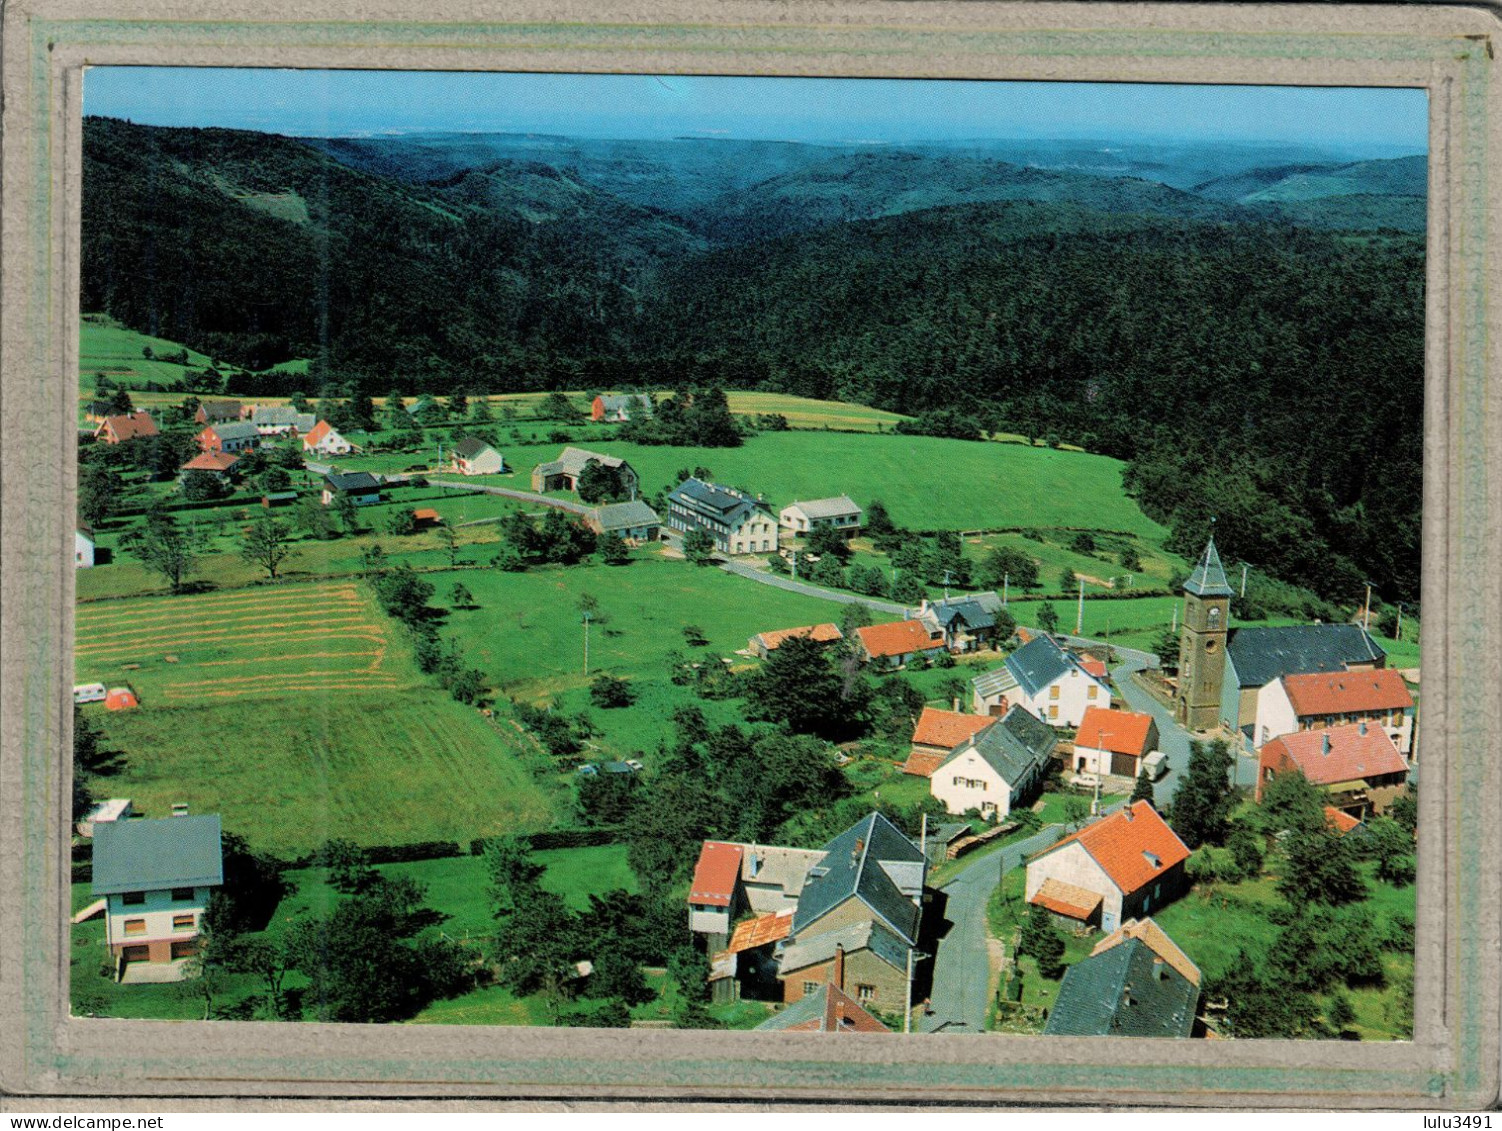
{"points": [[164, 547], [372, 561], [1068, 580], [1391, 846], [1291, 801], [878, 522], [1083, 543], [600, 484], [1075, 811], [1130, 560], [402, 524], [460, 597], [617, 976], [1010, 567], [1048, 617], [613, 549], [689, 969], [608, 692], [120, 403], [1341, 1012], [1259, 1003], [479, 411], [778, 777], [314, 519], [698, 547], [1246, 849], [798, 686], [348, 512], [1041, 939], [826, 540], [1405, 809], [1143, 789], [1319, 867], [201, 486], [100, 491], [908, 590], [1202, 803], [403, 594], [448, 537], [347, 865], [1166, 647], [534, 947], [267, 543]]}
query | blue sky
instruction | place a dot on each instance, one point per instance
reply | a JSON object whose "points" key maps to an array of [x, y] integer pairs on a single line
{"points": [[351, 103]]}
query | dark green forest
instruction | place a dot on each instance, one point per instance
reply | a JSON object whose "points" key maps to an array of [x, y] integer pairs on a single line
{"points": [[1254, 351]]}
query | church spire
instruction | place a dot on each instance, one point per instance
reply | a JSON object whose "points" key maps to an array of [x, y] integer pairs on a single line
{"points": [[1209, 576]]}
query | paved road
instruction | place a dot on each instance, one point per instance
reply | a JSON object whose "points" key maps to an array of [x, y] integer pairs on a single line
{"points": [[765, 577], [526, 496], [962, 966]]}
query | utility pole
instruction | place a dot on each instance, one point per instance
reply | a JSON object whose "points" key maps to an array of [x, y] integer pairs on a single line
{"points": [[795, 565], [947, 577], [1005, 578], [1366, 616], [1243, 579], [1175, 619], [1079, 619], [1398, 635], [923, 837], [586, 642]]}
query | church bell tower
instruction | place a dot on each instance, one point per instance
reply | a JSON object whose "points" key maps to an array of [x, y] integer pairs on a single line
{"points": [[1202, 643]]}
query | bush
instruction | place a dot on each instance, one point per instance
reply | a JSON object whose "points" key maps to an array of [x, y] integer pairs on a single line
{"points": [[608, 692]]}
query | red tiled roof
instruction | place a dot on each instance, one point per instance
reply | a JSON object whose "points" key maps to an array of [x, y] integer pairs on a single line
{"points": [[923, 763], [762, 930], [1067, 899], [819, 633], [425, 514], [896, 639], [1126, 843], [1352, 755], [947, 728], [1024, 634], [1347, 693], [715, 874], [843, 1014], [316, 434], [1342, 823], [212, 461], [128, 427], [1094, 667], [1120, 732]]}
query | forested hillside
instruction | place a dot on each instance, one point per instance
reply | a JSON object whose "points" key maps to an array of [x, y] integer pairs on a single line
{"points": [[1254, 350]]}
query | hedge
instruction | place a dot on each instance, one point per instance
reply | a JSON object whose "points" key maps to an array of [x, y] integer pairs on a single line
{"points": [[556, 838]]}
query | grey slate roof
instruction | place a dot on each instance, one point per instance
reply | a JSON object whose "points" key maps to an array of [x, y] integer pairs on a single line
{"points": [[613, 402], [1015, 747], [994, 682], [470, 447], [1262, 655], [573, 461], [356, 481], [836, 507], [1038, 663], [624, 516], [883, 942], [967, 609], [1126, 991], [1209, 578], [235, 430], [858, 863], [172, 852], [711, 496], [274, 416]]}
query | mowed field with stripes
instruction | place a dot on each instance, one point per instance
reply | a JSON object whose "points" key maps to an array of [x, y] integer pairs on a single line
{"points": [[296, 713]]}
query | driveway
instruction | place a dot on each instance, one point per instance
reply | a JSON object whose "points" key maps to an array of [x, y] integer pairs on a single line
{"points": [[962, 963]]}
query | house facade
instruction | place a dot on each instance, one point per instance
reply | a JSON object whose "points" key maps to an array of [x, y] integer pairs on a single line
{"points": [[613, 408], [473, 456], [938, 734], [839, 513], [964, 623], [1113, 742], [1357, 765], [230, 436], [1120, 867], [562, 474], [130, 426], [997, 768], [323, 440], [83, 547], [1317, 701], [1044, 679], [156, 877], [739, 523], [361, 486]]}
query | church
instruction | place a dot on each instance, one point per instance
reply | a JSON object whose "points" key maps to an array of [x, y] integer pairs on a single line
{"points": [[1222, 671]]}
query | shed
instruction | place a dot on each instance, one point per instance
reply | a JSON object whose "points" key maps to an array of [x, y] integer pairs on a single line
{"points": [[121, 699]]}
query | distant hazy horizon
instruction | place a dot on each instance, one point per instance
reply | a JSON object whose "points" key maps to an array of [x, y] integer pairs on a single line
{"points": [[1360, 122]]}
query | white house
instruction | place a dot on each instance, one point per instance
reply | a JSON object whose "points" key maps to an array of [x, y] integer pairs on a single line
{"points": [[473, 456], [1114, 742], [1318, 700], [83, 547], [156, 877], [997, 767], [325, 441], [739, 523], [1044, 679], [839, 513]]}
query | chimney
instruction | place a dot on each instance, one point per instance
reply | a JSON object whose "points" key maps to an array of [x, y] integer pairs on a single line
{"points": [[1127, 812], [956, 704], [1160, 969], [1325, 745], [837, 972], [855, 853]]}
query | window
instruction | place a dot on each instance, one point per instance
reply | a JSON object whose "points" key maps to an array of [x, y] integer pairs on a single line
{"points": [[182, 922], [810, 987], [135, 926], [1091, 692], [182, 895], [1053, 692], [1053, 711], [864, 992], [133, 898]]}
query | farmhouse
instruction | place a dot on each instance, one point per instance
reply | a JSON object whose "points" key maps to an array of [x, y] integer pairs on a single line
{"points": [[829, 1009], [617, 408], [217, 412], [738, 523], [325, 441], [83, 547], [275, 420], [1156, 939], [890, 646], [131, 426], [1316, 701], [839, 513], [1118, 868], [473, 456], [220, 464], [764, 644], [361, 486], [634, 521], [1357, 765], [731, 879], [1043, 678], [861, 907], [996, 768], [965, 624], [231, 436], [156, 877], [937, 735], [1124, 991], [1114, 742], [562, 474]]}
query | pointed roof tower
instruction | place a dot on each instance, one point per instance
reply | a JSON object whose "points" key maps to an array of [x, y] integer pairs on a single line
{"points": [[1209, 576]]}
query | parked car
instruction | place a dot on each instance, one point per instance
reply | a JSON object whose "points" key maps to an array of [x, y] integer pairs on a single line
{"points": [[634, 764], [1156, 764]]}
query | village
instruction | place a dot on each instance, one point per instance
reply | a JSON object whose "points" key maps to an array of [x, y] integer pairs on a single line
{"points": [[1000, 816]]}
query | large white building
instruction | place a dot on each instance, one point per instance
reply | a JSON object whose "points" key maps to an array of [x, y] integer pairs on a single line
{"points": [[1043, 678]]}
